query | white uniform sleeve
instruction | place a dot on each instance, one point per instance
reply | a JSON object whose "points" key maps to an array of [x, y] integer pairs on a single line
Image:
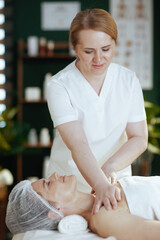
{"points": [[59, 104], [137, 111]]}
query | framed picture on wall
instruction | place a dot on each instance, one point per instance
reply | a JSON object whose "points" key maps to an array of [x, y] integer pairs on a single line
{"points": [[58, 15], [135, 37]]}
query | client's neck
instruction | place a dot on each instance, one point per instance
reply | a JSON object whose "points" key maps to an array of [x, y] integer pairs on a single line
{"points": [[81, 204]]}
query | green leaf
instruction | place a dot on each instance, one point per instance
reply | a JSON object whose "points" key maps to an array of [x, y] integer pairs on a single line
{"points": [[153, 149], [9, 114], [3, 143], [13, 134], [155, 120]]}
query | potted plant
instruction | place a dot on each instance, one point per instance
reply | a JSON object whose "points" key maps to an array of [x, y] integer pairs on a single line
{"points": [[153, 122], [12, 136]]}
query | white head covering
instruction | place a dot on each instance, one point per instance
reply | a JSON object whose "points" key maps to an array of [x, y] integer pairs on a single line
{"points": [[28, 211]]}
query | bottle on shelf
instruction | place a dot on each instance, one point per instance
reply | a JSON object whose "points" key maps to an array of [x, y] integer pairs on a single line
{"points": [[42, 46], [46, 79], [45, 166], [32, 137], [50, 48], [32, 178], [32, 46], [44, 137], [32, 93]]}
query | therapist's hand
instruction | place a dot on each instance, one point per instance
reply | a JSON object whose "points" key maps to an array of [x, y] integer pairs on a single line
{"points": [[112, 178], [107, 195]]}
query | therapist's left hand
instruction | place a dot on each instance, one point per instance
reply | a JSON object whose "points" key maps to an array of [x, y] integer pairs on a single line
{"points": [[112, 178], [107, 195]]}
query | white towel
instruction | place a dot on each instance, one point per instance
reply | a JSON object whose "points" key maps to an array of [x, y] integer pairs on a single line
{"points": [[55, 235], [73, 224], [146, 192]]}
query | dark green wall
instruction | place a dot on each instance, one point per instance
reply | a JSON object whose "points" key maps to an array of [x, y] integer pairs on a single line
{"points": [[27, 14], [27, 21], [28, 18], [154, 95]]}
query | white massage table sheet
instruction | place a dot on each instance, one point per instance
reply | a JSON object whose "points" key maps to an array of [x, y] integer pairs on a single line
{"points": [[55, 235]]}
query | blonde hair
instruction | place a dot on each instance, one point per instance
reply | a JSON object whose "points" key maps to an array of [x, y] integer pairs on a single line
{"points": [[95, 19]]}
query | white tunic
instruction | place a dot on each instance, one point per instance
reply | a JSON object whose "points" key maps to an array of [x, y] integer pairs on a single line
{"points": [[104, 118], [143, 196]]}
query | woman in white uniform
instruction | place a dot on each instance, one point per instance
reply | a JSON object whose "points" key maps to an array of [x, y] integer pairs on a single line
{"points": [[98, 109]]}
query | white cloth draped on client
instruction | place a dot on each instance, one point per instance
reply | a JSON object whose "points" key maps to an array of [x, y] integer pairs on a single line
{"points": [[55, 235]]}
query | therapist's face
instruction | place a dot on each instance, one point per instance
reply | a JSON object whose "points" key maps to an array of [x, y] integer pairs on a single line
{"points": [[95, 50], [60, 189]]}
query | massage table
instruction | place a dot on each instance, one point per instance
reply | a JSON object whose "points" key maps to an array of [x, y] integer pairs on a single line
{"points": [[72, 227], [55, 235]]}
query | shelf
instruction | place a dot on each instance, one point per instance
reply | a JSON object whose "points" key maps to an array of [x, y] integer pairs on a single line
{"points": [[3, 205], [38, 146], [54, 56], [3, 192], [60, 56], [61, 51], [23, 101]]}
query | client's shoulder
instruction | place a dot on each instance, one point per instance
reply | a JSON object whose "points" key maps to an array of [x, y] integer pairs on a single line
{"points": [[99, 221]]}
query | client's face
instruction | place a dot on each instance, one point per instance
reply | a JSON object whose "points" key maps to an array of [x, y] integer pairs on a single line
{"points": [[56, 188]]}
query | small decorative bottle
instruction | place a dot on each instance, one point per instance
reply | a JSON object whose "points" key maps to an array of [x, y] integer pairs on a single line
{"points": [[46, 79], [32, 137], [44, 137], [50, 48], [42, 46], [45, 166]]}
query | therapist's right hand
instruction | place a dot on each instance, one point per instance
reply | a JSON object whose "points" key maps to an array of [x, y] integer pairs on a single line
{"points": [[107, 195]]}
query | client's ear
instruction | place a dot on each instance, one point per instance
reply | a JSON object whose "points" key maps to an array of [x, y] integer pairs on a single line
{"points": [[52, 214]]}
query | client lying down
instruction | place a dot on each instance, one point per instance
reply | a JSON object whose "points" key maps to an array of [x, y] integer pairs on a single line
{"points": [[41, 205]]}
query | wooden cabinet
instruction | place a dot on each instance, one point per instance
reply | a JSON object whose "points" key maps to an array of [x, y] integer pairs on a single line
{"points": [[31, 72], [3, 205]]}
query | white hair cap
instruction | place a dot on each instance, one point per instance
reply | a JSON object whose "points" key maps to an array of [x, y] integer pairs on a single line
{"points": [[27, 210]]}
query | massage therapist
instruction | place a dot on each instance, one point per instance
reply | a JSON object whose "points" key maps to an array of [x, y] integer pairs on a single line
{"points": [[98, 110]]}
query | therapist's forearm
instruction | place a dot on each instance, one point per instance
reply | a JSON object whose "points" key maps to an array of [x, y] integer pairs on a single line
{"points": [[87, 164], [125, 155], [74, 137]]}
